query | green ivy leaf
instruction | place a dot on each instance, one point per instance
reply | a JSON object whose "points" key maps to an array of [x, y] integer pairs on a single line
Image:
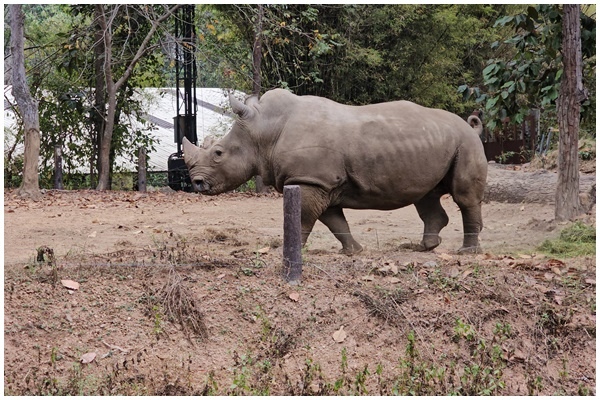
{"points": [[503, 21], [491, 102], [490, 69]]}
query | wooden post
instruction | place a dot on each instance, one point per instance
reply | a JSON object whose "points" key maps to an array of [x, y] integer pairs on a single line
{"points": [[142, 169], [292, 235], [58, 173]]}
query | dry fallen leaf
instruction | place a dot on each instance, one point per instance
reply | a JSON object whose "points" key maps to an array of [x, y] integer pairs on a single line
{"points": [[88, 358], [542, 289], [367, 278], [394, 269], [393, 279], [467, 273], [445, 257], [553, 262], [294, 296], [454, 272], [70, 284], [485, 256], [92, 235], [264, 250], [383, 268], [518, 356], [508, 260], [590, 281], [529, 280], [339, 335]]}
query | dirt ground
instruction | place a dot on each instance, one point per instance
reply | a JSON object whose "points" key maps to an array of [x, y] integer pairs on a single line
{"points": [[509, 321]]}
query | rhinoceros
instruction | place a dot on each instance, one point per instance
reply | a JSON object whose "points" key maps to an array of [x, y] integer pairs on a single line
{"points": [[380, 156]]}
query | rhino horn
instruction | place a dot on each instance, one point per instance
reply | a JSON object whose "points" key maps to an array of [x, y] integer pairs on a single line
{"points": [[190, 151], [208, 142], [241, 109]]}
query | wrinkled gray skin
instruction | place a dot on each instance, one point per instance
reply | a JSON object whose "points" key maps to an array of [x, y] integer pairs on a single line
{"points": [[382, 156]]}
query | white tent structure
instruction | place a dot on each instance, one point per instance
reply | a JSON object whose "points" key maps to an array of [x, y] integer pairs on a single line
{"points": [[212, 119], [161, 104]]}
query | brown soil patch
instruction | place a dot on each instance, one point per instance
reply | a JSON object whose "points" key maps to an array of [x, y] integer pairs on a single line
{"points": [[175, 298]]}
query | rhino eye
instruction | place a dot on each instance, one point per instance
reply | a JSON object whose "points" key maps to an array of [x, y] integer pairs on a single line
{"points": [[218, 153]]}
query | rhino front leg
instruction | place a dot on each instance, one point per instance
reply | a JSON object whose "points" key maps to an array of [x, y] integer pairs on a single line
{"points": [[334, 219], [313, 203], [434, 217]]}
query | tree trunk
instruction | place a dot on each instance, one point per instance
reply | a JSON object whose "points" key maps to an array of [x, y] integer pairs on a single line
{"points": [[112, 87], [256, 78], [257, 52], [99, 109], [533, 187], [568, 107], [109, 120], [28, 107]]}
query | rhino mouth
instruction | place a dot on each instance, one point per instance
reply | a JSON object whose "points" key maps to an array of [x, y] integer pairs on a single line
{"points": [[201, 186]]}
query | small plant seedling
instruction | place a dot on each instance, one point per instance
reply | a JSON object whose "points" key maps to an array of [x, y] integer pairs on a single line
{"points": [[463, 330]]}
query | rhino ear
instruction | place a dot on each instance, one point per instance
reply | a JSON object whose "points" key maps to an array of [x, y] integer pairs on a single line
{"points": [[190, 152], [241, 109]]}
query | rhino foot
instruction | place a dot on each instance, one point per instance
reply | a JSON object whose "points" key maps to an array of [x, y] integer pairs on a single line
{"points": [[351, 251], [429, 244], [470, 250]]}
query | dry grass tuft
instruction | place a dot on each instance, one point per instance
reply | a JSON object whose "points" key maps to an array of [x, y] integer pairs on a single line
{"points": [[179, 305], [384, 305]]}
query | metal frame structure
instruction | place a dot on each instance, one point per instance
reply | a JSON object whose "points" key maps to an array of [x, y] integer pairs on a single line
{"points": [[185, 77]]}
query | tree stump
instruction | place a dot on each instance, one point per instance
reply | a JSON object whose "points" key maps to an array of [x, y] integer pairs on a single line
{"points": [[142, 169], [58, 172], [292, 235]]}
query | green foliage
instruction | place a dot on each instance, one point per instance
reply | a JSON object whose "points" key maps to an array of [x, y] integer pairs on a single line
{"points": [[292, 46], [354, 54], [527, 68], [13, 163], [59, 61], [587, 149], [576, 240], [411, 52]]}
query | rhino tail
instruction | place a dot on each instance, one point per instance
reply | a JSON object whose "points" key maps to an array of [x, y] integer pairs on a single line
{"points": [[476, 124]]}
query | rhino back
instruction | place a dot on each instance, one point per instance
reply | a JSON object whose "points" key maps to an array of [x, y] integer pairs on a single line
{"points": [[382, 156]]}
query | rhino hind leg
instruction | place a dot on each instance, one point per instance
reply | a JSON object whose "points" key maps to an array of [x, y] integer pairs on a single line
{"points": [[334, 219], [434, 217], [472, 225], [467, 192]]}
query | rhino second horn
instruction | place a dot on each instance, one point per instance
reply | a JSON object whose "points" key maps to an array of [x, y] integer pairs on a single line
{"points": [[242, 110], [208, 142]]}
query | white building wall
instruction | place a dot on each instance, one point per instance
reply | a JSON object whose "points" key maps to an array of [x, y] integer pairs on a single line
{"points": [[161, 109]]}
